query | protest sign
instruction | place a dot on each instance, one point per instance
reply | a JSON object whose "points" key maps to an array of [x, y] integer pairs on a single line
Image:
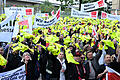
{"points": [[93, 6], [21, 10], [6, 28], [39, 22], [80, 14], [105, 15], [16, 74], [26, 25]]}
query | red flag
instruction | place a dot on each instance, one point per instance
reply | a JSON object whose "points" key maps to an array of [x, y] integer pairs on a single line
{"points": [[52, 12], [112, 74], [94, 33], [58, 14]]}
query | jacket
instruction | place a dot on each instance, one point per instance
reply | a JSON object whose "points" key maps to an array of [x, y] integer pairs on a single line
{"points": [[95, 64]]}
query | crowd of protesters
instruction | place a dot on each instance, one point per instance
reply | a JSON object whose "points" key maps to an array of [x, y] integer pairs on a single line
{"points": [[39, 59]]}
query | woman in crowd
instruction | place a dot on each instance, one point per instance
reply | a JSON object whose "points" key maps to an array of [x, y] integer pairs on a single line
{"points": [[29, 60], [60, 57]]}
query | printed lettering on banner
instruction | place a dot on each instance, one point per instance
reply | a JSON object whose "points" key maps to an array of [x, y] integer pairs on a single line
{"points": [[94, 14], [28, 11], [39, 22], [101, 3], [16, 74]]}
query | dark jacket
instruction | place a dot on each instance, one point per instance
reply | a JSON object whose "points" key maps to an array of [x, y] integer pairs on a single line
{"points": [[30, 67], [82, 71], [95, 64], [51, 63], [71, 72], [13, 62]]}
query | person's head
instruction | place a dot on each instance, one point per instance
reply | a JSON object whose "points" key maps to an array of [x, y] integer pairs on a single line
{"points": [[107, 59], [82, 58], [61, 37], [15, 52], [58, 34], [49, 30], [71, 47], [61, 55], [77, 56], [26, 57], [87, 47], [40, 31], [89, 55], [118, 49], [1, 51], [114, 40], [14, 39]]}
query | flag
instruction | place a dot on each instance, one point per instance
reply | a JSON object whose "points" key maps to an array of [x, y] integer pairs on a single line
{"points": [[58, 14], [112, 74], [94, 33], [116, 12], [52, 13], [101, 60]]}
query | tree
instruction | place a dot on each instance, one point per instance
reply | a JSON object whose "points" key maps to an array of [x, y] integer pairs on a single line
{"points": [[47, 7], [61, 1]]}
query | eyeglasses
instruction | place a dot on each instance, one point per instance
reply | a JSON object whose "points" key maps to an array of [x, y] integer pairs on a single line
{"points": [[27, 55], [82, 57]]}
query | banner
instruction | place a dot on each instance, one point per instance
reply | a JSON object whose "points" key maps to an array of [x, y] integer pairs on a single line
{"points": [[6, 28], [93, 6], [16, 74], [80, 14], [39, 22], [42, 14], [105, 15], [21, 10], [112, 74]]}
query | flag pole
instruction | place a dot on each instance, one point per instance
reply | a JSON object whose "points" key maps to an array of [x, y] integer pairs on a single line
{"points": [[11, 39]]}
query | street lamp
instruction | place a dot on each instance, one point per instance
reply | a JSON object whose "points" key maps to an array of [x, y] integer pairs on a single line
{"points": [[80, 1]]}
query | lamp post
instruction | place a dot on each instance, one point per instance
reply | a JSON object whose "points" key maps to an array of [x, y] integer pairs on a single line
{"points": [[80, 1], [0, 6]]}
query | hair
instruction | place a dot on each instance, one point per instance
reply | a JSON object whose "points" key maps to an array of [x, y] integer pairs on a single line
{"points": [[85, 47], [88, 51], [23, 57], [106, 55]]}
